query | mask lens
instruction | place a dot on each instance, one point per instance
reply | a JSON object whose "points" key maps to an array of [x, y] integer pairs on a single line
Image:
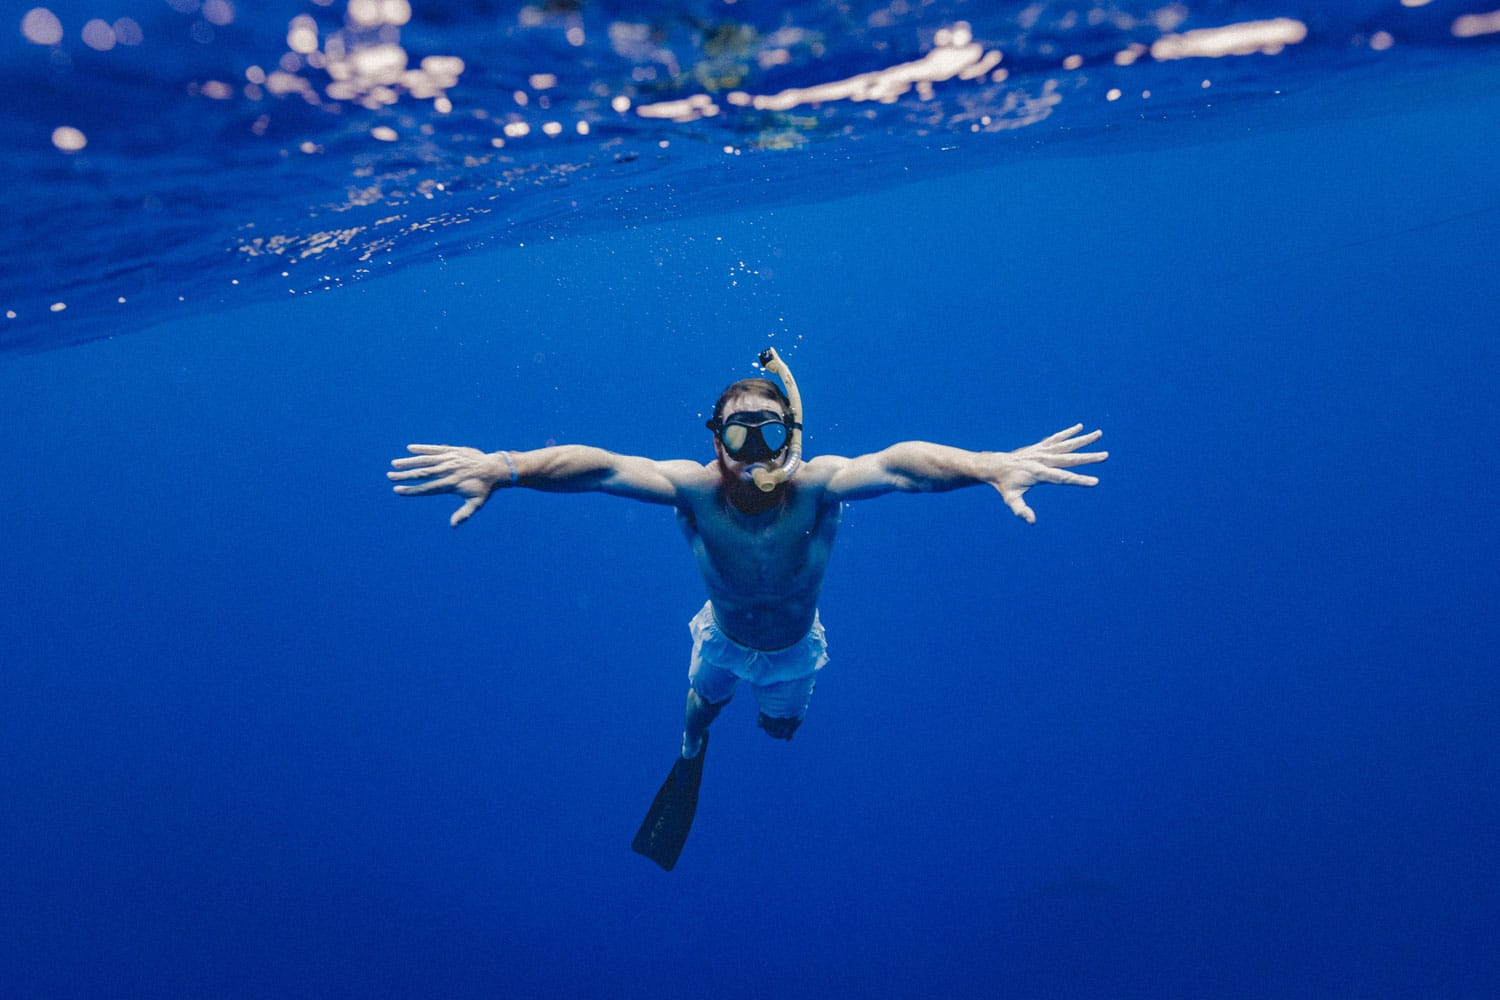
{"points": [[734, 436], [774, 436]]}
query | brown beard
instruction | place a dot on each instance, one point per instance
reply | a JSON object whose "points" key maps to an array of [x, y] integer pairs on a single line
{"points": [[745, 496]]}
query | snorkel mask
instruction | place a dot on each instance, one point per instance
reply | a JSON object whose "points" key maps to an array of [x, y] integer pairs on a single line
{"points": [[752, 436], [764, 436]]}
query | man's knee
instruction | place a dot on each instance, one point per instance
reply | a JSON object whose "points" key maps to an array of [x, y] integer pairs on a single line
{"points": [[779, 729], [705, 711]]}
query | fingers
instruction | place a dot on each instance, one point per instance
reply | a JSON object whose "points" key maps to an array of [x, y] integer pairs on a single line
{"points": [[426, 455], [426, 468], [1061, 436], [423, 489], [1073, 444], [416, 474], [427, 462], [422, 461], [1068, 461], [1018, 506], [1063, 441], [1063, 478], [466, 511]]}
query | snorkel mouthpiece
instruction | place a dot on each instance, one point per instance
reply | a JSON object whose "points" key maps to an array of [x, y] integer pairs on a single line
{"points": [[767, 480]]}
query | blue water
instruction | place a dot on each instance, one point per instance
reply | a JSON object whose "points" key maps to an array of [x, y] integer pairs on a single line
{"points": [[1220, 727]]}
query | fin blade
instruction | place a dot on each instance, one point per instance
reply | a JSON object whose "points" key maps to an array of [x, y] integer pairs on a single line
{"points": [[665, 829]]}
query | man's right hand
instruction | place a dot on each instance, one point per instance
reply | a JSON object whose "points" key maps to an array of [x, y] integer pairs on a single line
{"points": [[469, 472]]}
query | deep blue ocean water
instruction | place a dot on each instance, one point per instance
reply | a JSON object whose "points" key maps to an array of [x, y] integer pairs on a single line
{"points": [[1223, 726]]}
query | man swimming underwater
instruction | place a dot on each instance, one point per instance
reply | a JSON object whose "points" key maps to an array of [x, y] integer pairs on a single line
{"points": [[761, 523]]}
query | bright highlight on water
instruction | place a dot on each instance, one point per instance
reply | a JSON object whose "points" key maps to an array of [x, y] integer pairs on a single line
{"points": [[170, 149]]}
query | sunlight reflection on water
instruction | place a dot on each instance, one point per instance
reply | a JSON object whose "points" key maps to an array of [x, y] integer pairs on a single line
{"points": [[197, 143]]}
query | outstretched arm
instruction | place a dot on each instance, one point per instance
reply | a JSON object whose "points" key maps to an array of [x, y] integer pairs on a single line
{"points": [[570, 468], [919, 467]]}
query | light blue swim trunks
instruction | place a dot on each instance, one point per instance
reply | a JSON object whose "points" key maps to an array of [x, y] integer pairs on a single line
{"points": [[782, 679]]}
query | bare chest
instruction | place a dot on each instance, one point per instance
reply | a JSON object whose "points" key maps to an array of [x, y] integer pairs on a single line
{"points": [[758, 553]]}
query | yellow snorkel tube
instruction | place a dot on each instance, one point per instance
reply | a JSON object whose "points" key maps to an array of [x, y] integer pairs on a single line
{"points": [[767, 480]]}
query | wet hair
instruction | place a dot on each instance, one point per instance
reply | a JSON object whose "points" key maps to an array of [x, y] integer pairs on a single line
{"points": [[761, 388]]}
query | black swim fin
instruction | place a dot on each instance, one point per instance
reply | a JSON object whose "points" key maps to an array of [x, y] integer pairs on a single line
{"points": [[666, 826]]}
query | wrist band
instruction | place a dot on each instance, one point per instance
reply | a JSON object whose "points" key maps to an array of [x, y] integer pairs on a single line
{"points": [[514, 476]]}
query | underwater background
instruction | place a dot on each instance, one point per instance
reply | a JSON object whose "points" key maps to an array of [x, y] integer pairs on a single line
{"points": [[1223, 726]]}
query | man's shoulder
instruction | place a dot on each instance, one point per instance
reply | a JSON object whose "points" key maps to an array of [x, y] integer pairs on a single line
{"points": [[815, 477], [690, 476], [820, 470], [827, 465]]}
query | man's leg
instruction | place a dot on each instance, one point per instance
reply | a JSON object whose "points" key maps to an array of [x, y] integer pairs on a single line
{"points": [[665, 829], [696, 717], [778, 728], [783, 705], [710, 686]]}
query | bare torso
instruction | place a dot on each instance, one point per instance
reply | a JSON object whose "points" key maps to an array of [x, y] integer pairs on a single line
{"points": [[763, 567]]}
